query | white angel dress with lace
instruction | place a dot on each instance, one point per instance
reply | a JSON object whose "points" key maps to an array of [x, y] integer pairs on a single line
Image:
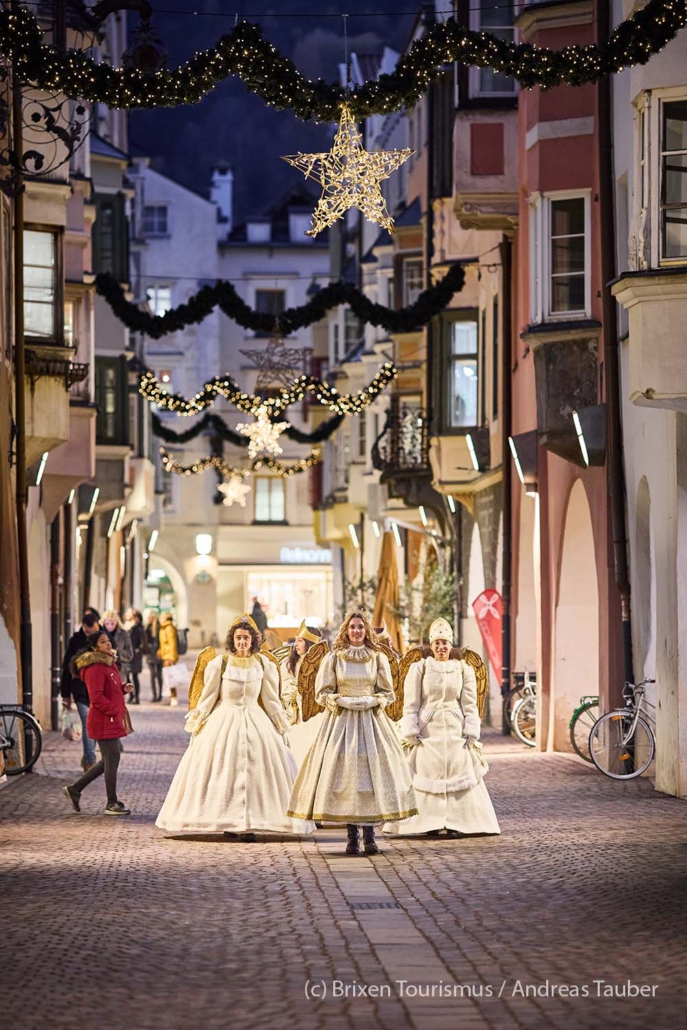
{"points": [[302, 734], [355, 771], [439, 713], [237, 773]]}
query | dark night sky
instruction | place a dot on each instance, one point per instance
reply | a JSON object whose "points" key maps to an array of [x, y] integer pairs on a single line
{"points": [[232, 124]]}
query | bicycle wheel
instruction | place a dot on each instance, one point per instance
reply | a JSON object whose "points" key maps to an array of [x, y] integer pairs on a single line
{"points": [[524, 721], [581, 726], [612, 754], [509, 703], [22, 734]]}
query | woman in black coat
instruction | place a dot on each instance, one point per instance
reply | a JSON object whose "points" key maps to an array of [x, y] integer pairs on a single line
{"points": [[133, 622]]}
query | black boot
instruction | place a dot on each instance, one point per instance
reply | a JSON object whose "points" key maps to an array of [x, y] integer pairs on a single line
{"points": [[353, 846], [369, 838]]}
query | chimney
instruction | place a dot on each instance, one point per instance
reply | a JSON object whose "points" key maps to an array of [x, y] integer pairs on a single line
{"points": [[222, 194]]}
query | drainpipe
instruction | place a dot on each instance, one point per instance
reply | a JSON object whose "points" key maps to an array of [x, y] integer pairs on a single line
{"points": [[614, 432], [22, 489], [506, 254], [68, 570]]}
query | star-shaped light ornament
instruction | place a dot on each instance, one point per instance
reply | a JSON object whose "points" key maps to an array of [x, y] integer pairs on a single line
{"points": [[234, 490], [349, 176], [278, 364], [263, 434]]}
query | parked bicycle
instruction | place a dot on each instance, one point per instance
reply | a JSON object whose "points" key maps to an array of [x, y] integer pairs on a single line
{"points": [[581, 722], [21, 739], [622, 743], [515, 694], [524, 714]]}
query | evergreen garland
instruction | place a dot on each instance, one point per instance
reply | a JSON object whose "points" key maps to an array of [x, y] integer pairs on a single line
{"points": [[250, 404], [216, 425], [223, 294], [275, 78]]}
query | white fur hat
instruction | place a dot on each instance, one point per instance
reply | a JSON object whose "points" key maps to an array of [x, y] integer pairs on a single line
{"points": [[440, 630]]}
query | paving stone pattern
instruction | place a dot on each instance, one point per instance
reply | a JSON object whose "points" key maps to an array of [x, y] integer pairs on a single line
{"points": [[106, 922]]}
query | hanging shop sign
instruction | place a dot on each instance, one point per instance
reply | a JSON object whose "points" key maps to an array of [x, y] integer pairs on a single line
{"points": [[487, 609]]}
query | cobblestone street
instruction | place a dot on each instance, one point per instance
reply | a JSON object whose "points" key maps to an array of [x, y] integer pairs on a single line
{"points": [[106, 922]]}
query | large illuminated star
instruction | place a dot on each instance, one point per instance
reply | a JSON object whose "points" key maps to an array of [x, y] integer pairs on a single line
{"points": [[263, 434], [349, 176], [234, 490], [277, 364]]}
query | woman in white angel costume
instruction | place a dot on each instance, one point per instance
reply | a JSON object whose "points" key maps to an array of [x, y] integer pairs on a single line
{"points": [[237, 773], [441, 729], [303, 731], [355, 771]]}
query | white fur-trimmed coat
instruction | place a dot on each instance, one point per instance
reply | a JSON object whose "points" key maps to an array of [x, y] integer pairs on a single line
{"points": [[439, 713]]}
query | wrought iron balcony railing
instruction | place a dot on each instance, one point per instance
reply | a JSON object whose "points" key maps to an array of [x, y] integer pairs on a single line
{"points": [[403, 445]]}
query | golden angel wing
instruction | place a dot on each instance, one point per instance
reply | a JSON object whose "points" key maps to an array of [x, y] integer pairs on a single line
{"points": [[264, 650], [281, 652], [307, 674], [198, 677], [400, 671], [475, 662]]}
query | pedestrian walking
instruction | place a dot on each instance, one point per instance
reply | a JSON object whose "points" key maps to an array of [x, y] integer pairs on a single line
{"points": [[237, 773], [107, 717], [355, 772], [72, 687], [120, 639], [168, 652], [152, 634], [258, 616], [441, 728], [133, 624]]}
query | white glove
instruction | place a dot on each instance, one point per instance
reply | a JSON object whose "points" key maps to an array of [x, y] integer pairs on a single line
{"points": [[469, 741], [358, 704], [410, 741], [331, 702]]}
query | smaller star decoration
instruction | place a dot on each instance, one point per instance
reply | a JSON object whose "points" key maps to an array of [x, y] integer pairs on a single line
{"points": [[349, 176], [263, 434], [277, 363], [234, 490]]}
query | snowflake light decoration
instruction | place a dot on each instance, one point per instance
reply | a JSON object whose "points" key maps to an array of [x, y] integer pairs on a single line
{"points": [[234, 490], [263, 434]]}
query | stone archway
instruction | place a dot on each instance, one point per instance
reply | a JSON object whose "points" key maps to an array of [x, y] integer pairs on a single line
{"points": [[178, 586], [576, 652]]}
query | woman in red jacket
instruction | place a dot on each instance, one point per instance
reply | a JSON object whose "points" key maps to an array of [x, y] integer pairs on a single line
{"points": [[105, 724]]}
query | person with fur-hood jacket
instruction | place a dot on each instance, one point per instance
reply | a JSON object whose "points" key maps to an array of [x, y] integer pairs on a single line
{"points": [[106, 718]]}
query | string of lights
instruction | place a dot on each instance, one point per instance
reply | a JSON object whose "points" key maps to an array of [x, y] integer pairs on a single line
{"points": [[245, 53], [228, 471], [223, 295], [250, 404]]}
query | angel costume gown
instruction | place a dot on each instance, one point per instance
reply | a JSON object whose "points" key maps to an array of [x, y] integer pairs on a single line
{"points": [[237, 773], [302, 734], [355, 771], [440, 709]]}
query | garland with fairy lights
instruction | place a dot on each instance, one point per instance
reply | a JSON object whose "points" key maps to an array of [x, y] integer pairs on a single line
{"points": [[245, 53], [223, 295], [216, 462], [216, 426], [249, 404]]}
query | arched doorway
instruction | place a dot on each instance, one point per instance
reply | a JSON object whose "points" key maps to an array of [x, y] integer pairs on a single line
{"points": [[576, 656], [526, 620], [165, 589]]}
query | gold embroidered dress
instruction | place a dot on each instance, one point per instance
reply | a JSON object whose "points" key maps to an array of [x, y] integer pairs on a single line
{"points": [[302, 734], [439, 712], [237, 773], [355, 771]]}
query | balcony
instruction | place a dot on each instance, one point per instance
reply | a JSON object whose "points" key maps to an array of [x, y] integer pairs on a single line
{"points": [[50, 374], [401, 454], [656, 302]]}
